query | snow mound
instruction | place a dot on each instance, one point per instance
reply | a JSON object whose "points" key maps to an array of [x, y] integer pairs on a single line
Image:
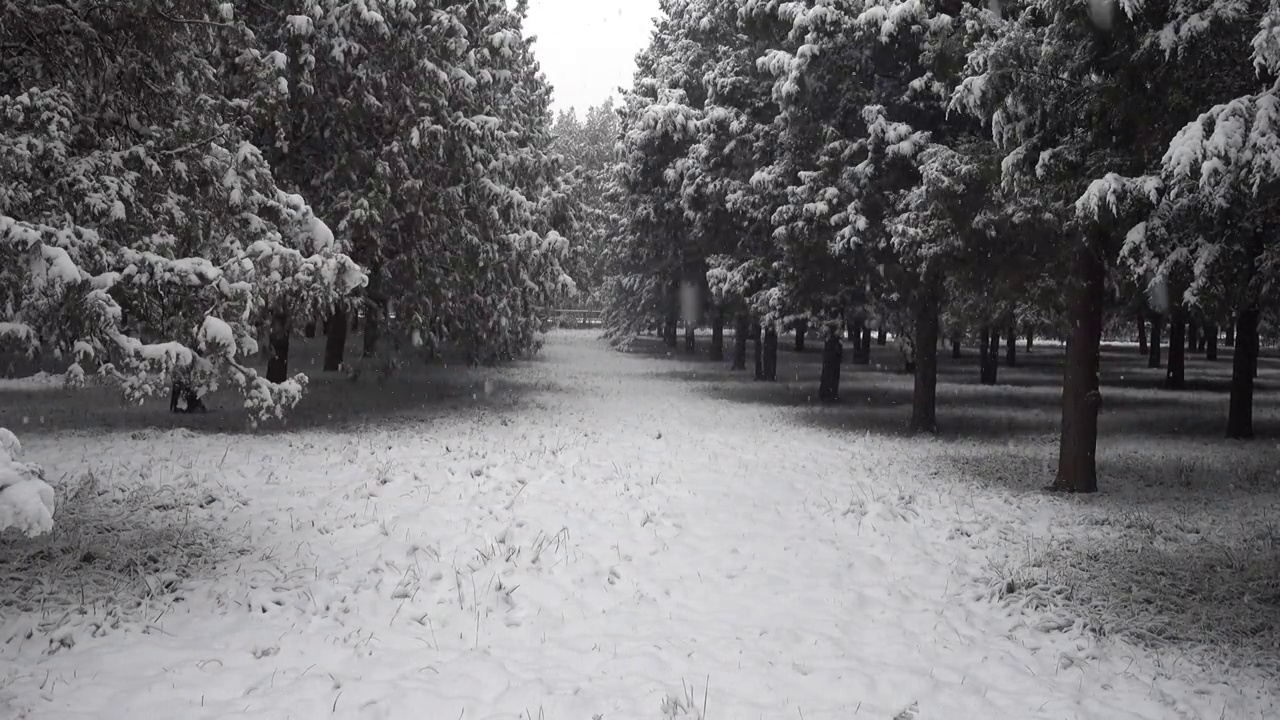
{"points": [[40, 381], [26, 500]]}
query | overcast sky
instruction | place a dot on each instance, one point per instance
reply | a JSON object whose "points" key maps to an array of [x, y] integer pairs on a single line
{"points": [[587, 48]]}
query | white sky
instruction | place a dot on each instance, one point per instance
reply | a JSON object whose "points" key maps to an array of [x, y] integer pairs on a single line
{"points": [[587, 48]]}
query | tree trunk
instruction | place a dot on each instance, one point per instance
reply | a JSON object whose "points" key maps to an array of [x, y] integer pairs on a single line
{"points": [[1211, 342], [278, 364], [1031, 339], [372, 332], [309, 330], [1157, 326], [669, 335], [717, 335], [740, 331], [771, 352], [758, 349], [1175, 377], [857, 331], [802, 327], [1011, 347], [335, 343], [993, 356], [690, 339], [924, 396], [882, 336], [866, 345], [1240, 412], [1193, 336], [1230, 339], [1142, 336], [985, 358], [1081, 397], [832, 357]]}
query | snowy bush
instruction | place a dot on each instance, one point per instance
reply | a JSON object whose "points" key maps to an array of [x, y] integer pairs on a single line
{"points": [[26, 501]]}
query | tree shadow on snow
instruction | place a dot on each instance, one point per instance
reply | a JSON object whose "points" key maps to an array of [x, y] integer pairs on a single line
{"points": [[416, 392]]}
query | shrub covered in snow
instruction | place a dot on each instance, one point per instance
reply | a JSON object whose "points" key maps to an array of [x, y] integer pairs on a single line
{"points": [[26, 500]]}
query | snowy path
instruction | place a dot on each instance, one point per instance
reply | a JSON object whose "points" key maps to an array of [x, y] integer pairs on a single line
{"points": [[616, 545]]}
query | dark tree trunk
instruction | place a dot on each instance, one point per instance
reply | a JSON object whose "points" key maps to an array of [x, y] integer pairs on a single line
{"points": [[669, 335], [1157, 326], [372, 329], [183, 399], [1011, 347], [309, 330], [758, 349], [278, 364], [802, 327], [771, 353], [955, 349], [924, 396], [882, 336], [832, 357], [1193, 336], [717, 335], [1211, 342], [986, 356], [1175, 376], [1203, 343], [335, 343], [741, 329], [1142, 336], [690, 339], [865, 350], [1240, 412], [1081, 396], [1230, 339], [857, 331], [1031, 339]]}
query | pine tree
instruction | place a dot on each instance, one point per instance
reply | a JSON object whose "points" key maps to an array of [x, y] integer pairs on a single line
{"points": [[142, 226]]}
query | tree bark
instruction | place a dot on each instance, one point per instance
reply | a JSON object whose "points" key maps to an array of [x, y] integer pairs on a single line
{"points": [[866, 345], [1142, 336], [335, 343], [924, 395], [1240, 411], [1153, 357], [1175, 377], [717, 335], [986, 375], [771, 352], [802, 327], [882, 336], [669, 335], [857, 331], [740, 331], [372, 330], [955, 349], [1193, 336], [278, 364], [1081, 396], [690, 339], [1230, 339], [1031, 339], [1011, 347], [832, 357], [309, 330], [1211, 342], [758, 348]]}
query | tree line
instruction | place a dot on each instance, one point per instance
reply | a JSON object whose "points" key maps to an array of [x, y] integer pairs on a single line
{"points": [[183, 177], [949, 169]]}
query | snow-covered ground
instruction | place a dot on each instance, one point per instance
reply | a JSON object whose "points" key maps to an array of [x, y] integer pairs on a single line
{"points": [[591, 537]]}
